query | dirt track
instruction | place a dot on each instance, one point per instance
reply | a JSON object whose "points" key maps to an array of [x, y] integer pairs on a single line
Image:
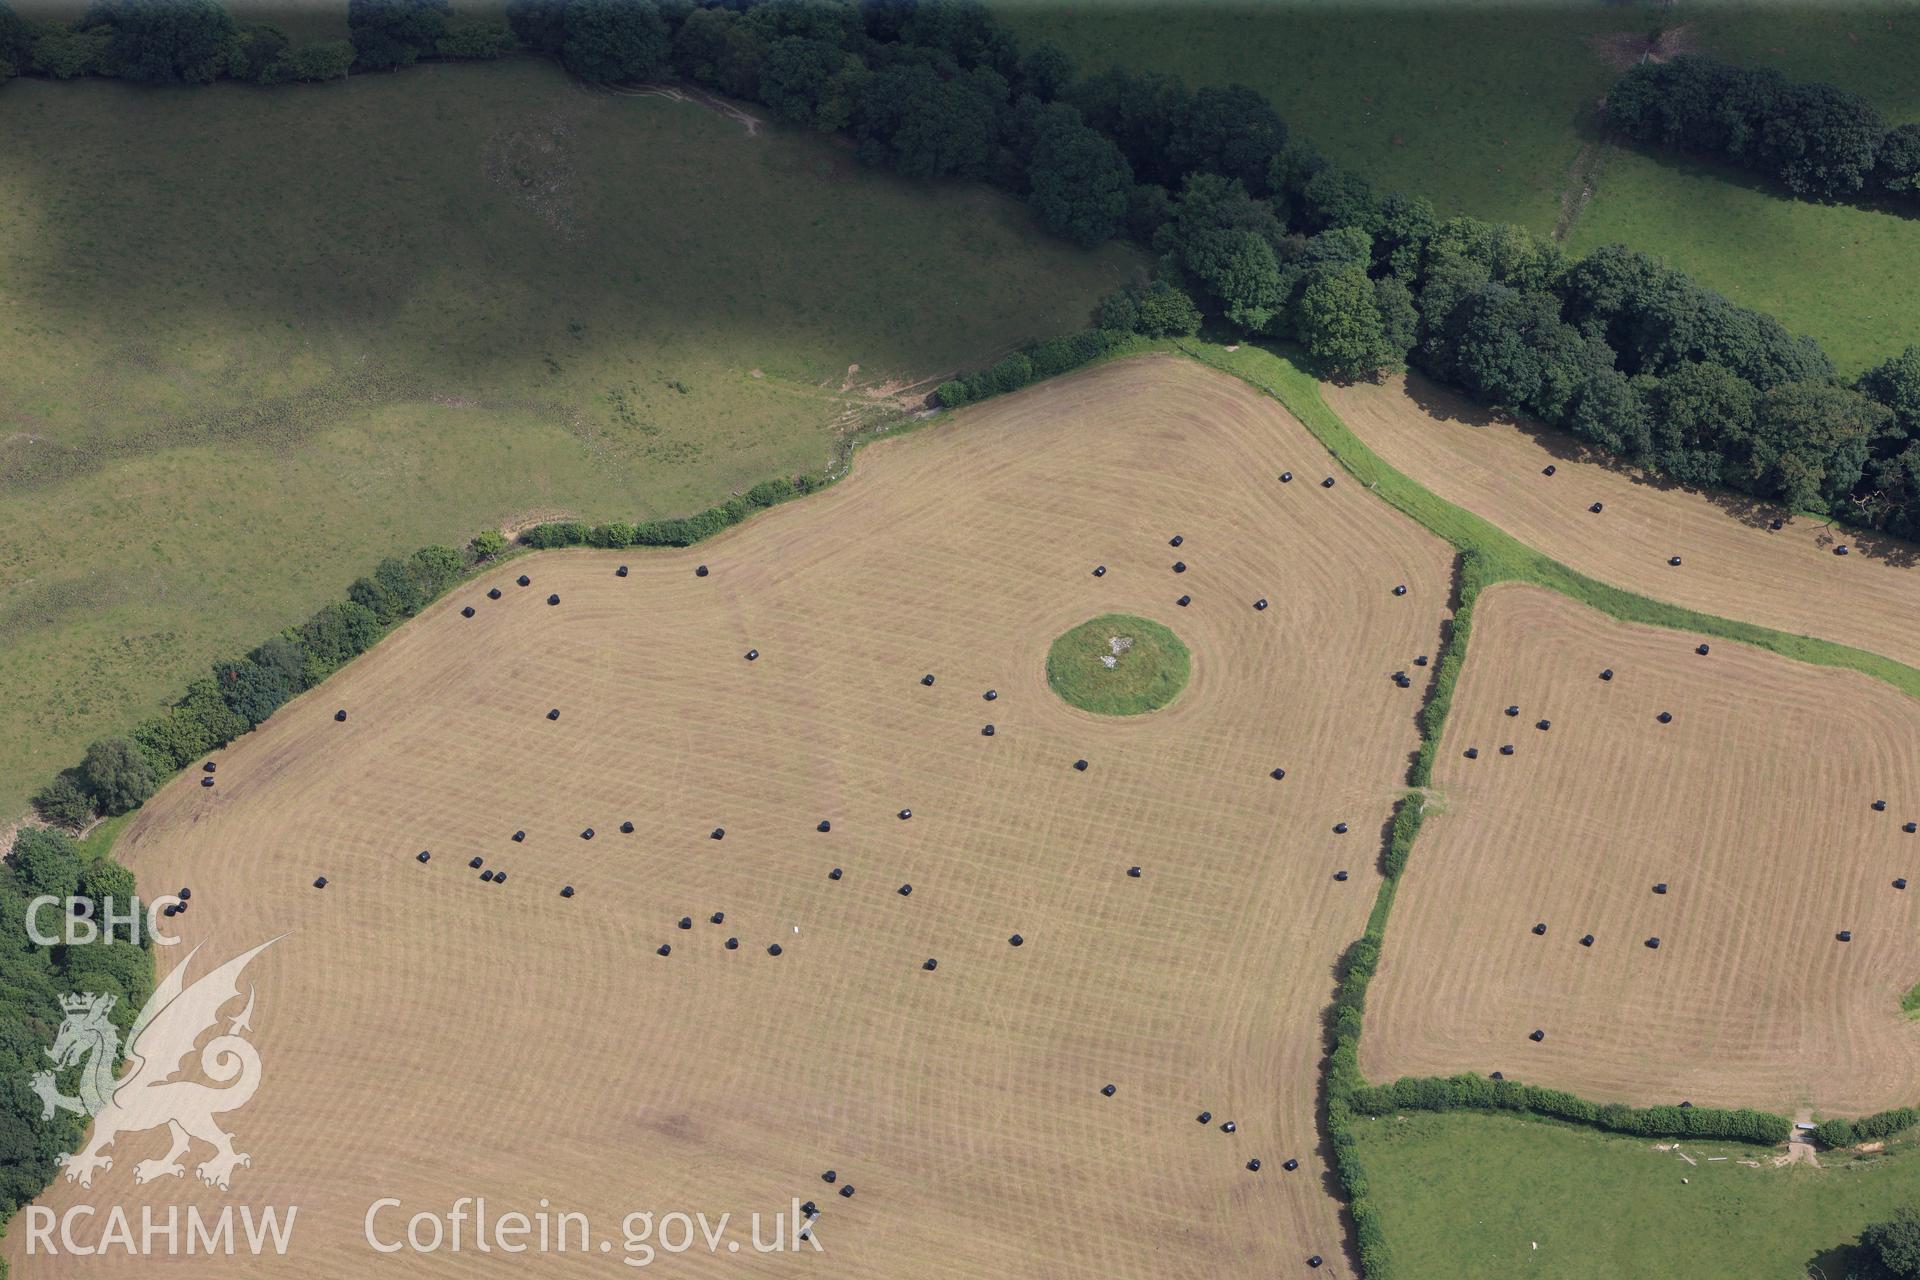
{"points": [[1732, 564], [1753, 806], [427, 1036]]}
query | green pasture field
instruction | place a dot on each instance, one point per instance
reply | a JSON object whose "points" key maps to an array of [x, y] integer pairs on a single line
{"points": [[1490, 109], [1469, 1195], [251, 341]]}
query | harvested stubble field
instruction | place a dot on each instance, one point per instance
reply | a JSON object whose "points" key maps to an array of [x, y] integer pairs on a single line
{"points": [[426, 1035], [1753, 806], [1732, 563]]}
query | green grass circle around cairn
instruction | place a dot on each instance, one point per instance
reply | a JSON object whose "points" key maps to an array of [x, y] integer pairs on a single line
{"points": [[1149, 666]]}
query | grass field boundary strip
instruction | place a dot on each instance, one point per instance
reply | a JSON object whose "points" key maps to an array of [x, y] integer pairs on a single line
{"points": [[1505, 557]]}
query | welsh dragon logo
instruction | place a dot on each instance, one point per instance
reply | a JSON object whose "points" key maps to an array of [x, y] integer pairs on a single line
{"points": [[162, 1037]]}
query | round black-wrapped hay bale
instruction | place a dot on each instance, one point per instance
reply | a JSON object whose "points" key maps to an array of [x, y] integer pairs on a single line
{"points": [[1537, 1036], [700, 572], [1702, 650], [499, 877], [1176, 540], [1543, 725], [1253, 1165], [553, 599], [824, 825], [1327, 483], [476, 863], [1340, 876], [1108, 1090], [524, 580], [1776, 524], [626, 828], [1540, 930], [1339, 828], [621, 572], [1277, 774], [1513, 711], [1879, 806], [665, 949], [753, 655], [1607, 674], [1016, 941], [1911, 828], [1506, 748], [1290, 1164], [829, 1176], [1653, 943], [1665, 717], [1179, 566], [991, 694], [718, 917], [519, 836], [487, 876], [1229, 1127], [1133, 872], [906, 891], [340, 716], [718, 833], [1286, 477], [1261, 603], [1400, 590], [846, 1192], [493, 593], [1845, 935], [554, 714], [206, 780], [927, 679], [733, 944], [1080, 766], [567, 892], [774, 950], [1586, 940], [210, 767], [1840, 550], [1205, 1117], [320, 882], [170, 910], [986, 731], [1099, 571], [1660, 888], [1597, 508], [686, 922], [905, 814], [467, 612], [422, 856], [1472, 753], [1184, 601], [1420, 661], [1549, 469], [1674, 561], [1901, 883], [185, 894], [930, 964]]}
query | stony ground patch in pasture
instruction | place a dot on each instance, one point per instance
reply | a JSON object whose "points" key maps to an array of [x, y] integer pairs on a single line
{"points": [[1741, 834], [1731, 562], [427, 1035]]}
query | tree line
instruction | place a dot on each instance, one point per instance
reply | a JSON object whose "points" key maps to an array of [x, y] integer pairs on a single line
{"points": [[1817, 140], [1252, 228]]}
